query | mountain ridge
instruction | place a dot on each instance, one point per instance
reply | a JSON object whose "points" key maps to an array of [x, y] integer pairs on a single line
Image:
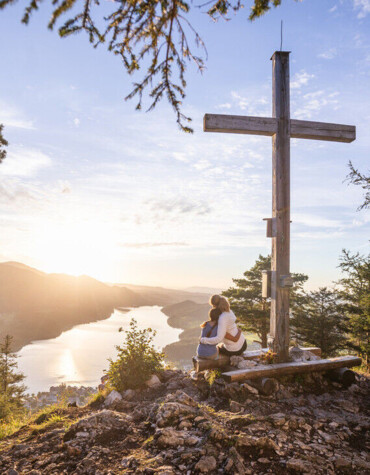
{"points": [[35, 305]]}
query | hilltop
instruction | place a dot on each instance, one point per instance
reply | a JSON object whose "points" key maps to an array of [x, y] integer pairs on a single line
{"points": [[185, 426]]}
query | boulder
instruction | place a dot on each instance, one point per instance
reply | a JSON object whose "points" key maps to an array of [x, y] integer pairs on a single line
{"points": [[170, 437], [129, 394], [298, 465], [206, 464], [99, 424], [112, 398], [153, 382]]}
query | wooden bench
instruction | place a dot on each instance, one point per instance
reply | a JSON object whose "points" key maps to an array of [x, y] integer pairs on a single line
{"points": [[202, 364], [284, 369]]}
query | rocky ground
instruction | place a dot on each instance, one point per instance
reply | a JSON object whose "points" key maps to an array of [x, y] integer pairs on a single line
{"points": [[182, 426]]}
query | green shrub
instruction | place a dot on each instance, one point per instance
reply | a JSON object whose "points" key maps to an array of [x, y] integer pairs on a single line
{"points": [[137, 359], [212, 375]]}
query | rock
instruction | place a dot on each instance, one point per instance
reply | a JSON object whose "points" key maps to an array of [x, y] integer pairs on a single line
{"points": [[153, 382], [175, 407], [129, 394], [112, 398], [263, 443], [342, 463], [250, 389], [235, 406], [206, 464], [298, 465], [12, 472], [362, 464], [185, 425], [170, 437], [99, 424], [246, 364]]}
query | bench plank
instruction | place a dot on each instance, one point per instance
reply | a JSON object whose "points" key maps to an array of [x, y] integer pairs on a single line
{"points": [[283, 369]]}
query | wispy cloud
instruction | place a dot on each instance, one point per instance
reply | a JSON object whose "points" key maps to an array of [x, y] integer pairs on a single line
{"points": [[24, 162], [329, 54], [178, 207], [142, 245], [312, 102], [363, 8], [301, 79], [11, 116]]}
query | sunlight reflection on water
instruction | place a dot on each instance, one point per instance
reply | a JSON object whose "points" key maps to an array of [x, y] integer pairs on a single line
{"points": [[79, 356]]}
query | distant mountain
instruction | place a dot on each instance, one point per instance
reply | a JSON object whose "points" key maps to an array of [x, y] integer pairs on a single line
{"points": [[205, 290], [35, 305], [162, 296]]}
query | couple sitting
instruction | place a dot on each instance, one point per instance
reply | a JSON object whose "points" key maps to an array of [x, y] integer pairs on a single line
{"points": [[220, 330]]}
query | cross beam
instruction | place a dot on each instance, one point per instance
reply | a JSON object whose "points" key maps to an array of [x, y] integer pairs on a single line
{"points": [[299, 129], [281, 128]]}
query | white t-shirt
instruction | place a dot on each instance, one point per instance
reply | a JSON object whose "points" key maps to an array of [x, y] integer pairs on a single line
{"points": [[226, 324]]}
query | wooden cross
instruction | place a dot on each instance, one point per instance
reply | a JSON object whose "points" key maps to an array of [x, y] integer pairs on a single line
{"points": [[281, 128]]}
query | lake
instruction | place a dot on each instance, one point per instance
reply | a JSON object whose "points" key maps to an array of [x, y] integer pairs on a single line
{"points": [[79, 356]]}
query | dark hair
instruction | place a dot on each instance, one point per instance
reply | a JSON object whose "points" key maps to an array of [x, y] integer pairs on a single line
{"points": [[214, 314]]}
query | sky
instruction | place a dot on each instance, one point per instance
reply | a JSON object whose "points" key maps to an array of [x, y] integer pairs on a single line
{"points": [[92, 186]]}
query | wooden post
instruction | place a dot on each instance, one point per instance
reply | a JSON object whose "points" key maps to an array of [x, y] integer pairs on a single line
{"points": [[280, 265]]}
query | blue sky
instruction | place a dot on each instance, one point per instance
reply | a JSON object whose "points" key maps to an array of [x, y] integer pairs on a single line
{"points": [[92, 186]]}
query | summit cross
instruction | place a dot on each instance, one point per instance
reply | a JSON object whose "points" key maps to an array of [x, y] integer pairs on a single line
{"points": [[281, 128]]}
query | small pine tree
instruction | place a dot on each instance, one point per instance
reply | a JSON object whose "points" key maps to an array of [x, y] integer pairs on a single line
{"points": [[252, 311], [354, 290], [11, 387], [137, 359], [320, 321]]}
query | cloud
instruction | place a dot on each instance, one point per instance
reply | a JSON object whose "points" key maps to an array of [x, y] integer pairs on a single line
{"points": [[76, 121], [13, 117], [301, 79], [24, 162], [11, 191], [363, 7], [227, 105], [313, 102], [142, 245], [329, 54], [179, 206], [251, 104]]}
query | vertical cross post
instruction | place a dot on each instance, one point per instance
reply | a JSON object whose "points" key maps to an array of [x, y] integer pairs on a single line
{"points": [[280, 266]]}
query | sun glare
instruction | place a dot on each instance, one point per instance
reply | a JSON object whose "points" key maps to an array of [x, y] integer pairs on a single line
{"points": [[75, 249]]}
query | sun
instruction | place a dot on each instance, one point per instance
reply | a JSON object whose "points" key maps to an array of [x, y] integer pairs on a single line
{"points": [[75, 249]]}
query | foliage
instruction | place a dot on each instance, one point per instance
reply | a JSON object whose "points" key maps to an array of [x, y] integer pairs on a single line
{"points": [[357, 178], [212, 375], [354, 290], [11, 387], [137, 359], [11, 425], [153, 34], [3, 144], [268, 357], [246, 298], [320, 321]]}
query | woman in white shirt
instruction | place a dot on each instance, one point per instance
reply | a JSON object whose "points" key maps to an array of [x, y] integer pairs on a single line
{"points": [[226, 324]]}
